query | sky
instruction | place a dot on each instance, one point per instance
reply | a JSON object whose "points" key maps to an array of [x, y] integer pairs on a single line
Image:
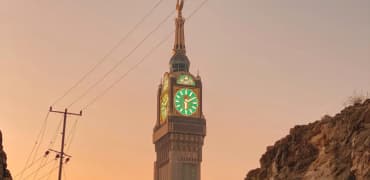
{"points": [[266, 66]]}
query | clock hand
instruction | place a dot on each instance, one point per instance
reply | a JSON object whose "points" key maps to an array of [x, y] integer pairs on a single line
{"points": [[186, 104], [191, 99]]}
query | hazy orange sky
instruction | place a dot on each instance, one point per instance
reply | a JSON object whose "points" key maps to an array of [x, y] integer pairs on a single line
{"points": [[266, 66]]}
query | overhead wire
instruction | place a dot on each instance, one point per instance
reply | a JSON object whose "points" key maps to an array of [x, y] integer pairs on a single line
{"points": [[64, 173], [109, 53], [28, 167], [38, 169], [51, 145], [197, 9], [126, 73], [121, 60], [48, 175], [51, 171], [36, 146], [72, 134], [42, 137], [53, 140]]}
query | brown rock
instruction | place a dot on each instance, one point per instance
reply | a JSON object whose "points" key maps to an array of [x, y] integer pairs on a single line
{"points": [[4, 172], [335, 148]]}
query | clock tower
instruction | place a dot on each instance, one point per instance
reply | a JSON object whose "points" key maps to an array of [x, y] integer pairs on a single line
{"points": [[180, 127]]}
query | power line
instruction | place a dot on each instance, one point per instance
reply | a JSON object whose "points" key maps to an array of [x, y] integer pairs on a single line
{"points": [[47, 175], [64, 175], [121, 61], [141, 60], [42, 137], [126, 73], [72, 133], [28, 167], [36, 146], [51, 172], [51, 144], [36, 171], [197, 9], [42, 164], [105, 57], [53, 140]]}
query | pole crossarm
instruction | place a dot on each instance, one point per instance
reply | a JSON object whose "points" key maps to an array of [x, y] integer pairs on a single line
{"points": [[61, 152], [65, 112], [58, 152]]}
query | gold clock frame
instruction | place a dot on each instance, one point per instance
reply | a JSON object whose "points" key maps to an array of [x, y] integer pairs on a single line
{"points": [[196, 91]]}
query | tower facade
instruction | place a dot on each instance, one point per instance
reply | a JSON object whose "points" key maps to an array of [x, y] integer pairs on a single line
{"points": [[180, 126]]}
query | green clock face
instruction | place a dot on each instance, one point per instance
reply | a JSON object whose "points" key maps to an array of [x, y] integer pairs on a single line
{"points": [[186, 101], [185, 79], [164, 108]]}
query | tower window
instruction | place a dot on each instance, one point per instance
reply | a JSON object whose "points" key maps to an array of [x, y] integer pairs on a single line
{"points": [[179, 67]]}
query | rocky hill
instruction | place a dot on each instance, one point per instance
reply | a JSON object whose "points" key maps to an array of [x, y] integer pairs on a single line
{"points": [[4, 172], [334, 148]]}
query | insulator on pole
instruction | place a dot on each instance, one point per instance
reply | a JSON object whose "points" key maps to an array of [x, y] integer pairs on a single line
{"points": [[46, 153]]}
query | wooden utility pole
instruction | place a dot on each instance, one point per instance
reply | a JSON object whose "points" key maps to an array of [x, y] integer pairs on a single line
{"points": [[62, 154]]}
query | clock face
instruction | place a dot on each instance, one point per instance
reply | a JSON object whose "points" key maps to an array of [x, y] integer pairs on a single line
{"points": [[185, 79], [186, 101], [164, 108]]}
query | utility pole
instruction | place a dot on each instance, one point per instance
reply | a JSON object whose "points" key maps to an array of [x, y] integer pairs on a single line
{"points": [[61, 153]]}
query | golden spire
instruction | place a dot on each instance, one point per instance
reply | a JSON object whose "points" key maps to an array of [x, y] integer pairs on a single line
{"points": [[179, 61], [180, 33]]}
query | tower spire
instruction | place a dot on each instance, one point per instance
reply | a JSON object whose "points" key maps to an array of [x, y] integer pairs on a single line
{"points": [[179, 46], [179, 61]]}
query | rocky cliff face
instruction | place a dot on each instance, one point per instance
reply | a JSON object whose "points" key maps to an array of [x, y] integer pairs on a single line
{"points": [[334, 148], [4, 172]]}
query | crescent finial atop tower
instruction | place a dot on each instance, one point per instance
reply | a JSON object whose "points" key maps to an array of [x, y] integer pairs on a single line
{"points": [[179, 7]]}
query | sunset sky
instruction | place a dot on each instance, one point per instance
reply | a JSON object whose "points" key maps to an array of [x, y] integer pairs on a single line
{"points": [[266, 66]]}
